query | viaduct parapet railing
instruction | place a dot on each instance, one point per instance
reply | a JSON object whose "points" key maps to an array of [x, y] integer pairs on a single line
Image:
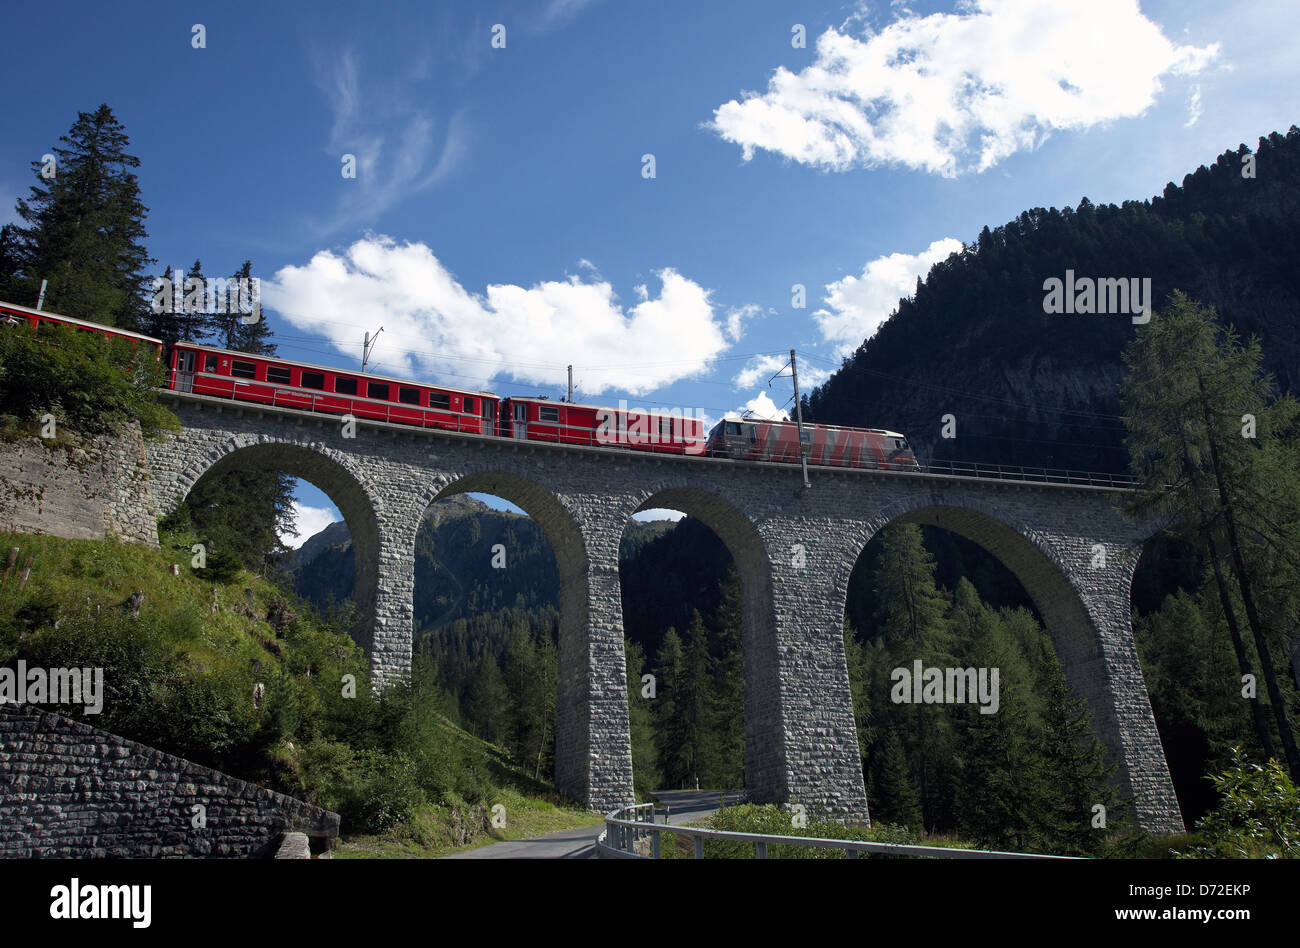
{"points": [[629, 825]]}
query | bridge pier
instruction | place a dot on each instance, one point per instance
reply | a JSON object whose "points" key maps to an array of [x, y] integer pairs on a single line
{"points": [[817, 762]]}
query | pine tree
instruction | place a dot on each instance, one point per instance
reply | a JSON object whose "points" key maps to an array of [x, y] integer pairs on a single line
{"points": [[1070, 776], [85, 228], [645, 764], [670, 729], [894, 798], [729, 686], [1186, 401]]}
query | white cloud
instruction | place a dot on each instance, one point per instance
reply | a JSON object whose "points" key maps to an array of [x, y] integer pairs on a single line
{"points": [[308, 521], [760, 406], [954, 92], [736, 319], [858, 305], [761, 368], [434, 327]]}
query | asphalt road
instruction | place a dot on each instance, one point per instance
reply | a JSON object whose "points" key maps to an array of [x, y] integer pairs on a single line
{"points": [[684, 806]]}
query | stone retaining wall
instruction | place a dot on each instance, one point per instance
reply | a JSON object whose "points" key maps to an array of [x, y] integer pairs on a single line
{"points": [[68, 790]]}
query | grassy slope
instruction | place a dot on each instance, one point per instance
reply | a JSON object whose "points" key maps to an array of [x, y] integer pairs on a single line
{"points": [[83, 577]]}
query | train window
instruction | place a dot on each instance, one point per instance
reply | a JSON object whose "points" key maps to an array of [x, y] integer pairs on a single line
{"points": [[209, 363], [733, 428], [900, 444], [243, 370], [345, 386], [666, 429], [409, 396], [376, 390], [469, 404], [439, 400], [312, 380], [548, 413], [279, 373]]}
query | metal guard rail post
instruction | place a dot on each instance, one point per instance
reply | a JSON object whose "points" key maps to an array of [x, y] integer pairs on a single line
{"points": [[626, 826]]}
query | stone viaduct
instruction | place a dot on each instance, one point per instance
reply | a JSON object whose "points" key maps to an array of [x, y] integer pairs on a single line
{"points": [[793, 547]]}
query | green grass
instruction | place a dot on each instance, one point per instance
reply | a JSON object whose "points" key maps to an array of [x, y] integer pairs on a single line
{"points": [[442, 830]]}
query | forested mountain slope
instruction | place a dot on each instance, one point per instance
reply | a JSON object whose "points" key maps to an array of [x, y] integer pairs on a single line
{"points": [[1027, 387]]}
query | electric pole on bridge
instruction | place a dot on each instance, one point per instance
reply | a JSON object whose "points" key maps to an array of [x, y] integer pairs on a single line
{"points": [[367, 346], [805, 447]]}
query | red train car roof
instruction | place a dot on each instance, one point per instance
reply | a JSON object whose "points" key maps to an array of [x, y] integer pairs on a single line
{"points": [[335, 369], [78, 322], [812, 424], [542, 400]]}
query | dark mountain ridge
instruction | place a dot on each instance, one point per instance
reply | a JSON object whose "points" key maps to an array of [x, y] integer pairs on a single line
{"points": [[1031, 388]]}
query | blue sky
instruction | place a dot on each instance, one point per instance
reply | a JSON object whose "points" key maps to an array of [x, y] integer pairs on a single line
{"points": [[502, 225]]}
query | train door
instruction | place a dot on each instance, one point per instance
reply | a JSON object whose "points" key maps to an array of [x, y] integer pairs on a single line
{"points": [[520, 427], [489, 417], [184, 371]]}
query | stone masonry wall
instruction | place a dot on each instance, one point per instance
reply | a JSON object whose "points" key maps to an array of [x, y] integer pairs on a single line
{"points": [[99, 488], [68, 790]]}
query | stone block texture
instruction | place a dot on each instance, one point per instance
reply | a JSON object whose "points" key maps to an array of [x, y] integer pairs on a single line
{"points": [[794, 548], [68, 790], [97, 488]]}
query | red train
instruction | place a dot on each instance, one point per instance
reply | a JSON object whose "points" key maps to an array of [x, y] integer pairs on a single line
{"points": [[11, 315], [266, 380]]}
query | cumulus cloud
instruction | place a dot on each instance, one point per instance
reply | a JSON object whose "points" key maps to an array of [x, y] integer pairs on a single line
{"points": [[308, 521], [760, 406], [856, 306], [434, 327], [950, 93]]}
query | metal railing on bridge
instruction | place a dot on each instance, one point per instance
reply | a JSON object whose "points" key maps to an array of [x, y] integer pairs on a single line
{"points": [[628, 828]]}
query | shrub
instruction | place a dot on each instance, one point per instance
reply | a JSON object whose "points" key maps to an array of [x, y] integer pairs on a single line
{"points": [[90, 383], [1258, 814]]}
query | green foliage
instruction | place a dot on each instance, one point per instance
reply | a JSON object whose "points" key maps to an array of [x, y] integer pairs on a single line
{"points": [[1258, 814], [90, 384], [181, 677], [85, 229]]}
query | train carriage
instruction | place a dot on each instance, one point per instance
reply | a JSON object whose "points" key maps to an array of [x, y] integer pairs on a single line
{"points": [[540, 419], [243, 376], [12, 316]]}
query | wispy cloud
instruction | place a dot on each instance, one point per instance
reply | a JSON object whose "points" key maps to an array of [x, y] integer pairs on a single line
{"points": [[1194, 107], [959, 92], [400, 148]]}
